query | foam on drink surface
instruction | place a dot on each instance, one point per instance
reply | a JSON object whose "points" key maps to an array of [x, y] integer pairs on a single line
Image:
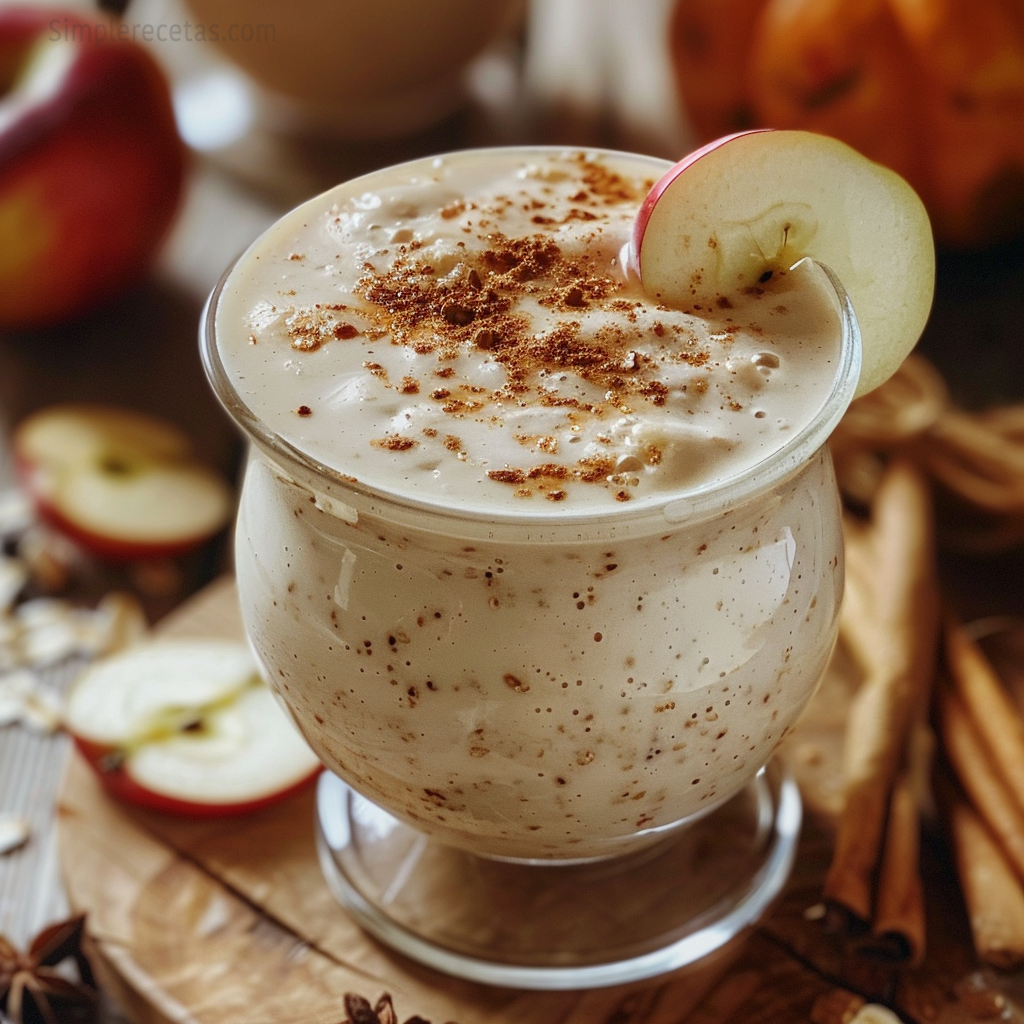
{"points": [[467, 331]]}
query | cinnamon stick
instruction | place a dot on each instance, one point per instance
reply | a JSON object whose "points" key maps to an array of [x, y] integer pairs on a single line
{"points": [[974, 458], [995, 715], [899, 921], [892, 629], [992, 892], [972, 760]]}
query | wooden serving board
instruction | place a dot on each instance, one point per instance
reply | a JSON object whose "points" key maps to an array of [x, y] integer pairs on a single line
{"points": [[229, 921]]}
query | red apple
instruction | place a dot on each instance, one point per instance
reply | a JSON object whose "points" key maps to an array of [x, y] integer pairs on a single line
{"points": [[187, 727], [123, 484], [749, 204], [91, 164]]}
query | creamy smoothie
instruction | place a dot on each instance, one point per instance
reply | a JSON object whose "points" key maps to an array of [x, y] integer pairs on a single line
{"points": [[538, 565]]}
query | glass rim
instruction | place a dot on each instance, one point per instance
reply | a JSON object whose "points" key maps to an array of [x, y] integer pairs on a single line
{"points": [[671, 508]]}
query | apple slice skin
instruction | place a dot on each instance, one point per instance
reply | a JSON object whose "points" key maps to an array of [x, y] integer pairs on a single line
{"points": [[110, 549], [56, 450], [113, 548], [713, 223], [659, 188], [116, 779], [168, 681]]}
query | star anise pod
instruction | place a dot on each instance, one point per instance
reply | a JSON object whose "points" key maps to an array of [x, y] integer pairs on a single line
{"points": [[359, 1011], [34, 991]]}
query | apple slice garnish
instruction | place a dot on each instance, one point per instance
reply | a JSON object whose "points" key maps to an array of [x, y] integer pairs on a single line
{"points": [[123, 484], [187, 727], [745, 206]]}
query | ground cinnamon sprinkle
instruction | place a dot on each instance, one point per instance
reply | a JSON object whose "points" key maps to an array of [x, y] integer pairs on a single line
{"points": [[394, 443], [310, 327], [550, 471], [594, 470], [472, 308], [507, 476], [596, 352], [606, 185]]}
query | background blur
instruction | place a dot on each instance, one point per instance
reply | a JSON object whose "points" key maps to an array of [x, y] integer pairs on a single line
{"points": [[305, 93]]}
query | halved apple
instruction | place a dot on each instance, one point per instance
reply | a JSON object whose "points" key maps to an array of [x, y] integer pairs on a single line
{"points": [[733, 212], [187, 727], [123, 484]]}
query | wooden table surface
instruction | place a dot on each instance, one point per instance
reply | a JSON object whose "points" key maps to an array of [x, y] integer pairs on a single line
{"points": [[142, 351], [208, 920], [229, 921]]}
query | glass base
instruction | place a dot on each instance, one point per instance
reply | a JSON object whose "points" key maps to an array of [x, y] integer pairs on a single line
{"points": [[550, 925]]}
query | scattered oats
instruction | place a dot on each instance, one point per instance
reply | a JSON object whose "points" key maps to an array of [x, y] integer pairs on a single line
{"points": [[23, 701], [15, 512], [49, 632], [14, 832], [45, 631], [117, 622], [43, 712], [41, 612]]}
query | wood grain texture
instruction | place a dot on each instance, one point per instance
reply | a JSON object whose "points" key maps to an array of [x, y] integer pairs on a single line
{"points": [[229, 921]]}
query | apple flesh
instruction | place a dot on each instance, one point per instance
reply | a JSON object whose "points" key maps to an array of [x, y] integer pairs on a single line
{"points": [[739, 209], [122, 484], [91, 165], [187, 727]]}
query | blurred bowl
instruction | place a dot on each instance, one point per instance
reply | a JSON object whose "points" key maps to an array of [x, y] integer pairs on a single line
{"points": [[353, 68]]}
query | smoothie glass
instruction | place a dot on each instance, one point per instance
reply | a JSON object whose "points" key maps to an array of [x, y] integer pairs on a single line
{"points": [[549, 736]]}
